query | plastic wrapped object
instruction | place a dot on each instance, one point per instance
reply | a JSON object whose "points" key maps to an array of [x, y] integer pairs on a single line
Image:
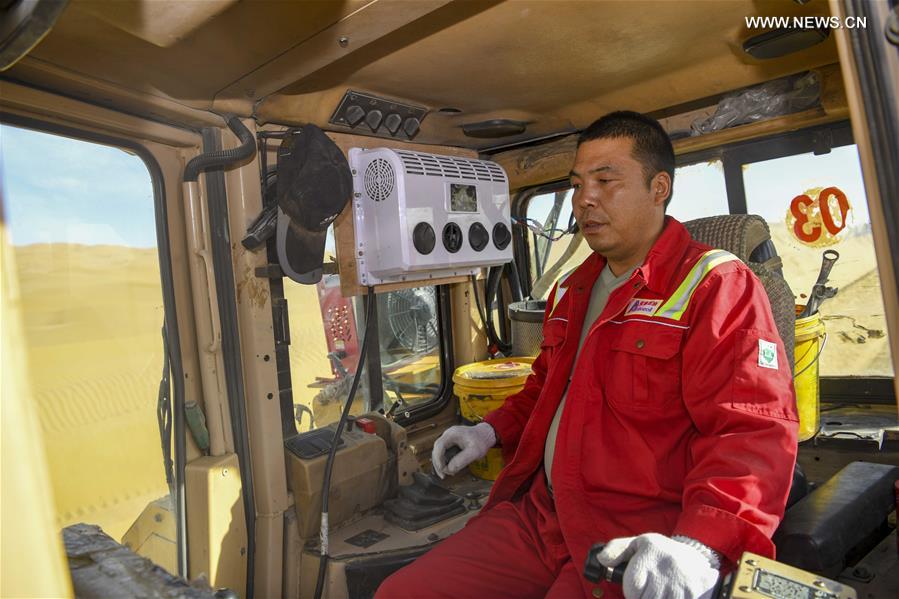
{"points": [[772, 99]]}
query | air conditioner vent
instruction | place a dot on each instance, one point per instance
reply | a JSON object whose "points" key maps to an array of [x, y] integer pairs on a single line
{"points": [[379, 179], [452, 167], [419, 217]]}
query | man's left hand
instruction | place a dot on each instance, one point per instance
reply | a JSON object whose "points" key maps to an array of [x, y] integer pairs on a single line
{"points": [[660, 566]]}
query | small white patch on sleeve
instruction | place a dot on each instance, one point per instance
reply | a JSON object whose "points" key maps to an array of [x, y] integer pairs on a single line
{"points": [[767, 354]]}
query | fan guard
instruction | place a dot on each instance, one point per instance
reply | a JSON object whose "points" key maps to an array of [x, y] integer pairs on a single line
{"points": [[379, 179], [412, 315]]}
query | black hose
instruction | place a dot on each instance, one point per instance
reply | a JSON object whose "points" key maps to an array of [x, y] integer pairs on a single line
{"points": [[514, 282], [494, 277], [246, 149], [224, 278], [332, 451]]}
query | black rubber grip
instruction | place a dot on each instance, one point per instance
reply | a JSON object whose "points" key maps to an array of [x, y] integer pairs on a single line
{"points": [[594, 571]]}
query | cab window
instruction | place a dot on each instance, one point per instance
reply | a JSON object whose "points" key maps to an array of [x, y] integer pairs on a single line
{"points": [[405, 375], [812, 203], [83, 229], [699, 190]]}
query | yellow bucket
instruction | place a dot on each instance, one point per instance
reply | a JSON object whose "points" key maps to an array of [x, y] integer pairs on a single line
{"points": [[810, 339], [483, 387]]}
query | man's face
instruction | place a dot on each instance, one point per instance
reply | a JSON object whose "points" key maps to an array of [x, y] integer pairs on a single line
{"points": [[619, 214]]}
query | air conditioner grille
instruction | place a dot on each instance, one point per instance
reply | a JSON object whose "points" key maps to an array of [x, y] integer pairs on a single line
{"points": [[379, 179], [418, 163]]}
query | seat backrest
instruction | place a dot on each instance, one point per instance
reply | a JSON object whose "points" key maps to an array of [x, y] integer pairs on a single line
{"points": [[748, 238]]}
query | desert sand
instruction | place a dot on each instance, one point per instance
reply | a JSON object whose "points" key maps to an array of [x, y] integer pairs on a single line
{"points": [[92, 321]]}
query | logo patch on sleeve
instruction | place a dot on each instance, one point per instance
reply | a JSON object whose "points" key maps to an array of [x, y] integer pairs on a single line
{"points": [[646, 307], [767, 354]]}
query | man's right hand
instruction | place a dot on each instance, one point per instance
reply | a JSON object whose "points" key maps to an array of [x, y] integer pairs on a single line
{"points": [[474, 441]]}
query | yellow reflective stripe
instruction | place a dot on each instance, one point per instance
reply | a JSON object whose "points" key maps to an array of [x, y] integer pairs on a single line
{"points": [[677, 304], [560, 291]]}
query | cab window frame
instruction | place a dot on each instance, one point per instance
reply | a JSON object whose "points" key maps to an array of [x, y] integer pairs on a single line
{"points": [[170, 315]]}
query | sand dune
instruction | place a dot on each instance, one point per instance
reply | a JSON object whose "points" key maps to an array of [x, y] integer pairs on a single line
{"points": [[92, 319]]}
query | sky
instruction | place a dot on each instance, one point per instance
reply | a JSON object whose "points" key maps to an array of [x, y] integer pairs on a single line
{"points": [[57, 189]]}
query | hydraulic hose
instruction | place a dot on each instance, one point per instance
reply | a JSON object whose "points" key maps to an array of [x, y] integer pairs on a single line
{"points": [[514, 281], [332, 451], [246, 149], [494, 277]]}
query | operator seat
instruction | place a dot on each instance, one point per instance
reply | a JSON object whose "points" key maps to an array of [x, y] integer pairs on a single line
{"points": [[747, 237], [822, 528]]}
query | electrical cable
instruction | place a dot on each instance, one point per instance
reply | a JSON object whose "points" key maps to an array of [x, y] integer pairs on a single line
{"points": [[551, 234], [332, 451], [164, 415]]}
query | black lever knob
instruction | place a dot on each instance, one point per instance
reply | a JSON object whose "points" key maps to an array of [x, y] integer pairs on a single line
{"points": [[594, 571]]}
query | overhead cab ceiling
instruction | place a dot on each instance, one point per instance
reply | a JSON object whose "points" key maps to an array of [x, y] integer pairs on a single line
{"points": [[555, 64]]}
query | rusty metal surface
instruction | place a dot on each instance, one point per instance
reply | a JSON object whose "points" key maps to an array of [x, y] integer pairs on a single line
{"points": [[101, 567]]}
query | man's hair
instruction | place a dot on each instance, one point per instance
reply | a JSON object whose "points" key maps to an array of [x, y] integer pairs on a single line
{"points": [[652, 147]]}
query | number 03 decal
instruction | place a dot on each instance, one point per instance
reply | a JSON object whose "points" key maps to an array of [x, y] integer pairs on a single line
{"points": [[813, 221]]}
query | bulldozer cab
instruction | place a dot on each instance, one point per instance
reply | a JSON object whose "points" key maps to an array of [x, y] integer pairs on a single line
{"points": [[181, 340]]}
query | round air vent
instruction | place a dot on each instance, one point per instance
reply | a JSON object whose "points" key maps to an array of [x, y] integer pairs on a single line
{"points": [[452, 237], [478, 237], [423, 238], [501, 236], [378, 179]]}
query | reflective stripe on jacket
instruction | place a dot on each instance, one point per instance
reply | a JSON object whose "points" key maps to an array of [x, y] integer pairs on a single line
{"points": [[681, 415]]}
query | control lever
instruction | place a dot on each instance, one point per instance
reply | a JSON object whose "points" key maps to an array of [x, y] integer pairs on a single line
{"points": [[594, 571], [451, 452], [755, 577], [819, 291]]}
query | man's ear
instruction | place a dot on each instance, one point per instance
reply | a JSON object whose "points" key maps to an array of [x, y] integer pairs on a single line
{"points": [[661, 188]]}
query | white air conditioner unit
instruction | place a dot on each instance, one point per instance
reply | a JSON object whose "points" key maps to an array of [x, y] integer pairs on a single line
{"points": [[421, 216]]}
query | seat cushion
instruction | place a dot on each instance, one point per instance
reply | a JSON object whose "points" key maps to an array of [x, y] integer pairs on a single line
{"points": [[821, 528]]}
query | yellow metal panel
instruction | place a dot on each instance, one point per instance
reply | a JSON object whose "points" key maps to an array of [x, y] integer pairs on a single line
{"points": [[153, 535], [216, 526], [31, 556]]}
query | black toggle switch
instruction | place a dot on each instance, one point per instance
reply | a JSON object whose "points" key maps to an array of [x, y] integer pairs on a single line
{"points": [[393, 122], [373, 119], [354, 114], [411, 126]]}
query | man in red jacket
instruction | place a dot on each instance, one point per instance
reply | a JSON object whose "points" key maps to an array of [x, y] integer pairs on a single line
{"points": [[660, 416]]}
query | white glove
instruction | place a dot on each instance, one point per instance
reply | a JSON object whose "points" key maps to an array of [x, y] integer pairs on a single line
{"points": [[661, 567], [474, 441]]}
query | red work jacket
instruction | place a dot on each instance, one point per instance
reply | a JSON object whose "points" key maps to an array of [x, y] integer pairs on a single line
{"points": [[680, 417]]}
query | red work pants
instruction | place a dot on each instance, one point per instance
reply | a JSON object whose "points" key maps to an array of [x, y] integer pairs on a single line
{"points": [[515, 550]]}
